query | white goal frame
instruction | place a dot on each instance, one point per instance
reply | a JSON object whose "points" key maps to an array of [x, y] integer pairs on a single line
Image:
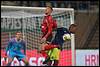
{"points": [[55, 9]]}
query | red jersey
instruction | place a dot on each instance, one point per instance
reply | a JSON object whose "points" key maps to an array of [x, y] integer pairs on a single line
{"points": [[48, 25]]}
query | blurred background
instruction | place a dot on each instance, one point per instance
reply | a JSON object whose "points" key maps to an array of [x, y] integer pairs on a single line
{"points": [[86, 17]]}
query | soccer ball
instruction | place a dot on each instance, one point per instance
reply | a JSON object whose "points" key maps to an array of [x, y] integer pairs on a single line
{"points": [[66, 37]]}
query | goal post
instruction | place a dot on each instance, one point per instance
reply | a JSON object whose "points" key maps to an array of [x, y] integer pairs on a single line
{"points": [[28, 21]]}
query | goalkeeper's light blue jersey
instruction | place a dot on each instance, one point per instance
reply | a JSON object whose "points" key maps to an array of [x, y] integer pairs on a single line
{"points": [[15, 45]]}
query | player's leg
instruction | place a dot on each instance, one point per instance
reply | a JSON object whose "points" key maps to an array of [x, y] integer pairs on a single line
{"points": [[47, 60], [22, 57], [56, 62], [10, 55], [55, 56], [43, 46], [9, 61], [50, 50], [44, 51], [26, 61], [46, 42], [23, 60]]}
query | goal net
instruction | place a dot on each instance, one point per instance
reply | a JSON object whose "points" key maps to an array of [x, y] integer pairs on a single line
{"points": [[28, 20]]}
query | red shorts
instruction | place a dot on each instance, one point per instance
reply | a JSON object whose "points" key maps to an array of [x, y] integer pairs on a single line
{"points": [[48, 47]]}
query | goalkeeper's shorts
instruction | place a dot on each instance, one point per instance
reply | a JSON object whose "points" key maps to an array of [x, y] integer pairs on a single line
{"points": [[18, 54], [54, 54]]}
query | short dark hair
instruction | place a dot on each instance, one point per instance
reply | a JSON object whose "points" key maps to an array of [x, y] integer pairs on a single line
{"points": [[50, 7], [72, 25], [18, 32]]}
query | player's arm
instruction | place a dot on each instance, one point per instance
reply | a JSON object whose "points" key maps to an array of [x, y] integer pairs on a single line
{"points": [[50, 27], [49, 31], [8, 46]]}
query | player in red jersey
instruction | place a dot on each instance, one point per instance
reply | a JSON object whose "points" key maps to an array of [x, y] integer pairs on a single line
{"points": [[47, 27]]}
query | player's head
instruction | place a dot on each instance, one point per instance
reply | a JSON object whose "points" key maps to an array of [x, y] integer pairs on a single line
{"points": [[73, 28], [48, 10], [18, 35]]}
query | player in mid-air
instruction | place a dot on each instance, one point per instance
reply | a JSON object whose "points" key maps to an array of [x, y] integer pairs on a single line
{"points": [[14, 49], [47, 27], [51, 47], [55, 46]]}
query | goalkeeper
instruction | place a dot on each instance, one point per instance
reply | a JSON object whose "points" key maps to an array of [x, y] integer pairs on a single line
{"points": [[14, 48]]}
